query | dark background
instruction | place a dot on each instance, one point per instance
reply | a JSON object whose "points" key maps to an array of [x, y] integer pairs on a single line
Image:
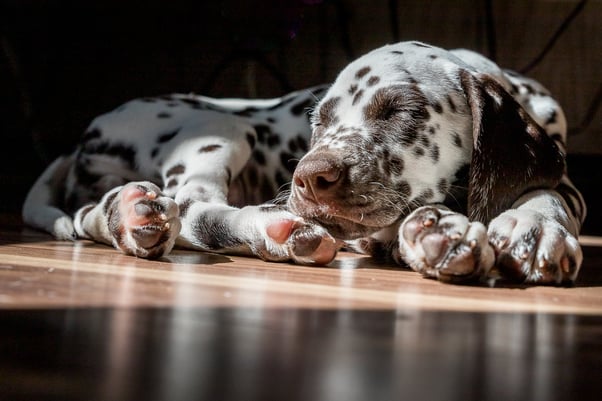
{"points": [[64, 62]]}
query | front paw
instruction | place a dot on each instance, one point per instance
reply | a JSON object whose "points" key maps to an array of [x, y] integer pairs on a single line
{"points": [[534, 249], [142, 221], [303, 242], [289, 237], [445, 245]]}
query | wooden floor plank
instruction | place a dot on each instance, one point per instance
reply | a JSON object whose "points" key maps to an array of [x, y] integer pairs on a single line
{"points": [[37, 272]]}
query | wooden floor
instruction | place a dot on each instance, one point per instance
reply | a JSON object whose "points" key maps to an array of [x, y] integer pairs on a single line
{"points": [[79, 321]]}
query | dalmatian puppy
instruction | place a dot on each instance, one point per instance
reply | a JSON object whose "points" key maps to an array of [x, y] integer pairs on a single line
{"points": [[185, 170], [438, 159], [445, 162]]}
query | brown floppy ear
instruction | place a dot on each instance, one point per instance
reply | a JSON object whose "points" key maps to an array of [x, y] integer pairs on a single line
{"points": [[511, 153]]}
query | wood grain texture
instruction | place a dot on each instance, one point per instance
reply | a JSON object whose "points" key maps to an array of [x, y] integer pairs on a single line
{"points": [[37, 272], [79, 321]]}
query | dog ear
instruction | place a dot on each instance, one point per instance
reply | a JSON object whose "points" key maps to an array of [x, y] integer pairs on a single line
{"points": [[511, 153]]}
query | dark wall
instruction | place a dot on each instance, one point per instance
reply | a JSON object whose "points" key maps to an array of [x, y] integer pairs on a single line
{"points": [[64, 62]]}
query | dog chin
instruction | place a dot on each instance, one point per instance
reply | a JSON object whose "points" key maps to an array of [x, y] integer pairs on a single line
{"points": [[341, 225], [344, 229]]}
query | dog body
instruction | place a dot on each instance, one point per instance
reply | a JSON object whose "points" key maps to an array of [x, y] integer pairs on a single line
{"points": [[178, 168], [437, 158]]}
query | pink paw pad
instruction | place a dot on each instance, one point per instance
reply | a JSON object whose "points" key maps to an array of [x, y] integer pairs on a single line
{"points": [[143, 215], [308, 244], [280, 231], [138, 208]]}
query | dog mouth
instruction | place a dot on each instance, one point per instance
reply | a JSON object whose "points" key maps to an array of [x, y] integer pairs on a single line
{"points": [[342, 228], [346, 222]]}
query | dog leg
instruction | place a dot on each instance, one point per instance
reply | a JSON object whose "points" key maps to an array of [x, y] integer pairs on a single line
{"points": [[267, 231]]}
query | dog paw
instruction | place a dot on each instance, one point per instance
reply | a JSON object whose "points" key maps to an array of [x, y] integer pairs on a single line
{"points": [[445, 245], [291, 237], [534, 249], [142, 221]]}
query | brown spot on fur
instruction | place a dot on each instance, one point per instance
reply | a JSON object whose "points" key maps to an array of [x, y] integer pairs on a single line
{"points": [[457, 140], [362, 72], [373, 80], [251, 137], [209, 148], [418, 152], [292, 145], [259, 157], [184, 206], [273, 140], [168, 136], [357, 97], [177, 169], [404, 188], [288, 161], [434, 153], [302, 143]]}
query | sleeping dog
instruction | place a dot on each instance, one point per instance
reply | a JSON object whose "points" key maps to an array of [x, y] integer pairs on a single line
{"points": [[439, 159]]}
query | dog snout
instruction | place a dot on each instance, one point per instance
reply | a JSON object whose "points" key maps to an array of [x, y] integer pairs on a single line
{"points": [[318, 176]]}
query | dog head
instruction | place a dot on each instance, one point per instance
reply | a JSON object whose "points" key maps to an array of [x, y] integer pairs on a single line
{"points": [[397, 129]]}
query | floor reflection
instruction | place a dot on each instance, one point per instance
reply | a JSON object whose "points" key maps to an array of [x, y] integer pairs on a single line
{"points": [[296, 354]]}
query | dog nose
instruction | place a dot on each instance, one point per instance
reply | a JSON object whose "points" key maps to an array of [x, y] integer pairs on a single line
{"points": [[317, 176]]}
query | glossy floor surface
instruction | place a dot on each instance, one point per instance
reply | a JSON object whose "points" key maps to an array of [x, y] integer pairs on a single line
{"points": [[79, 321]]}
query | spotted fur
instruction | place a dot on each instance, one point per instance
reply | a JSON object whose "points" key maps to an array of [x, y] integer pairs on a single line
{"points": [[183, 169], [438, 159]]}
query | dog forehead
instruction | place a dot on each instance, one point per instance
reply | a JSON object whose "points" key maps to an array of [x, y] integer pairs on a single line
{"points": [[415, 59], [431, 69]]}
